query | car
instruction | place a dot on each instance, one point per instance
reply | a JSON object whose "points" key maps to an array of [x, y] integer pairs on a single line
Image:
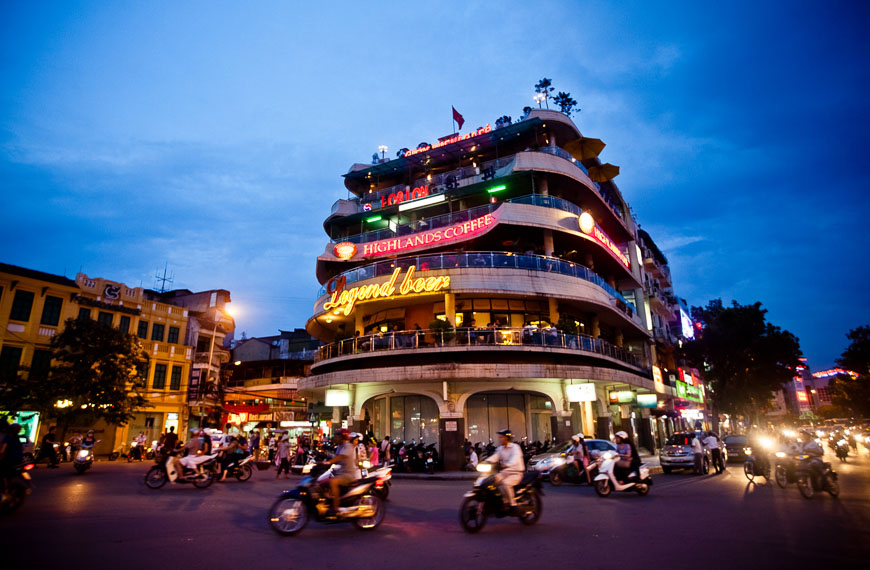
{"points": [[677, 453], [736, 446], [544, 462]]}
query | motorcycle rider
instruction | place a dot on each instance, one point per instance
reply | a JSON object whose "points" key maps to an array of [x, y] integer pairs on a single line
{"points": [[139, 450], [510, 457], [11, 452], [629, 459], [580, 453], [89, 441], [811, 447], [345, 459]]}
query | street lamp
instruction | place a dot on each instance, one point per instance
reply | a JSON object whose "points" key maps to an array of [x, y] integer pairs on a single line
{"points": [[539, 97], [383, 150], [230, 312]]}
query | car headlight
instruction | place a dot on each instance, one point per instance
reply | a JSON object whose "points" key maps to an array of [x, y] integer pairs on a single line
{"points": [[484, 467], [780, 454], [766, 442]]}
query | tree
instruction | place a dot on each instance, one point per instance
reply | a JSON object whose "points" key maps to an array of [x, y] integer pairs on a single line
{"points": [[543, 87], [565, 102], [94, 376], [853, 392], [744, 358]]}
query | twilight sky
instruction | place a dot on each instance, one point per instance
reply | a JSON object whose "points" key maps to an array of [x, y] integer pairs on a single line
{"points": [[211, 136]]}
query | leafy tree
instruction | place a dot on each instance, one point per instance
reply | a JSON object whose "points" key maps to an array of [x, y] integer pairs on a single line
{"points": [[503, 121], [94, 375], [544, 88], [744, 357], [565, 102], [846, 391]]}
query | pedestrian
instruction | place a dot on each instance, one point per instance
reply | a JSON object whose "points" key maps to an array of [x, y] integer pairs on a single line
{"points": [[698, 452], [282, 457], [711, 443], [372, 449], [472, 459], [169, 440], [48, 441], [273, 446], [255, 444]]}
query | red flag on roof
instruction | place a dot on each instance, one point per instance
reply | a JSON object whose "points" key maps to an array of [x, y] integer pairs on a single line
{"points": [[457, 117]]}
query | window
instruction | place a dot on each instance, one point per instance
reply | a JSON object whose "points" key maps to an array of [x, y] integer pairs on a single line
{"points": [[105, 318], [173, 335], [84, 314], [149, 422], [124, 325], [143, 329], [21, 306], [10, 359], [51, 311], [40, 364], [175, 379], [159, 376], [157, 332]]}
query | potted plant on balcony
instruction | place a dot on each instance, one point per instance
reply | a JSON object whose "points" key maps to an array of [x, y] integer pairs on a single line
{"points": [[442, 331]]}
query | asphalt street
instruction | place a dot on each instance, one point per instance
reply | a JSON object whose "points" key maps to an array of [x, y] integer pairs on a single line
{"points": [[107, 518]]}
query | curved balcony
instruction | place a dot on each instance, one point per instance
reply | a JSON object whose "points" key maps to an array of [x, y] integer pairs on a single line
{"points": [[482, 260], [463, 338]]}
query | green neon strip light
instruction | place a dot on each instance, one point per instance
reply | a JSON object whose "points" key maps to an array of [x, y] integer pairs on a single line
{"points": [[374, 219], [497, 189]]}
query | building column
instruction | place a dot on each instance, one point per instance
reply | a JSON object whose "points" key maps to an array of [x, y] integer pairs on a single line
{"points": [[588, 423], [554, 310], [544, 186], [358, 322], [619, 337], [596, 328], [561, 426], [548, 242], [450, 308]]}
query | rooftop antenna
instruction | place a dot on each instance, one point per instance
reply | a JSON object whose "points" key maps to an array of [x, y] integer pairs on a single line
{"points": [[160, 281]]}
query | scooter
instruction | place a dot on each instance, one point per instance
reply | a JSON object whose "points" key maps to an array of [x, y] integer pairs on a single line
{"points": [[170, 468], [606, 482], [842, 449], [785, 471], [485, 500], [84, 458], [241, 469], [809, 484], [16, 488], [567, 473], [293, 509], [383, 475], [756, 464]]}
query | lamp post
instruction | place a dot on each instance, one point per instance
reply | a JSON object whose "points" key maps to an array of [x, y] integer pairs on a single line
{"points": [[218, 314], [539, 97], [383, 150]]}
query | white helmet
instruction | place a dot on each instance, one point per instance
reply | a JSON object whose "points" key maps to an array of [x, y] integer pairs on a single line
{"points": [[622, 434]]}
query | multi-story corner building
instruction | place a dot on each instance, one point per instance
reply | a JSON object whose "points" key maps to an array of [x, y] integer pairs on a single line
{"points": [[210, 331], [490, 280]]}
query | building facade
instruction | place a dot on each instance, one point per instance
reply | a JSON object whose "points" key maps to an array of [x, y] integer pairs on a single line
{"points": [[493, 279]]}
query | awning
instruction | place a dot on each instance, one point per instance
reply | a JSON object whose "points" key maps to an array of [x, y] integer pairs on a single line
{"points": [[604, 172], [584, 148]]}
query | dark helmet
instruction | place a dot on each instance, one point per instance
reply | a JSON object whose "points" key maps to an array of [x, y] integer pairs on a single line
{"points": [[507, 433]]}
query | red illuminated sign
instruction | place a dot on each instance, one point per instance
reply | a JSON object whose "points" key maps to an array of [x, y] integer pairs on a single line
{"points": [[451, 140], [461, 231], [344, 250], [802, 396], [611, 247], [402, 196]]}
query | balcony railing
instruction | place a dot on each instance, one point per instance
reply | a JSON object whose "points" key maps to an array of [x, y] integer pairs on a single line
{"points": [[485, 259], [562, 153], [467, 336]]}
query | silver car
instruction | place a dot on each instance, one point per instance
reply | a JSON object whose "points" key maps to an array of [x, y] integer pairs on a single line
{"points": [[677, 453], [544, 462]]}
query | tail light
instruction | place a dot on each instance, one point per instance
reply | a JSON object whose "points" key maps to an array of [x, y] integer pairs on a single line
{"points": [[28, 467], [380, 481]]}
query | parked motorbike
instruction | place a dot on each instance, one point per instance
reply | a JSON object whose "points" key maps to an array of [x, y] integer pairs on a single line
{"points": [[785, 471], [84, 458], [293, 509], [16, 488], [485, 500], [241, 470], [567, 473], [169, 468], [842, 449], [638, 480], [756, 464], [809, 483]]}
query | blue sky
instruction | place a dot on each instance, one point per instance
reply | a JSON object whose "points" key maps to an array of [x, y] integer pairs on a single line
{"points": [[211, 136]]}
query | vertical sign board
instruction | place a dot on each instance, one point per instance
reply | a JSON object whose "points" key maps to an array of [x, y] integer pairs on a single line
{"points": [[657, 380]]}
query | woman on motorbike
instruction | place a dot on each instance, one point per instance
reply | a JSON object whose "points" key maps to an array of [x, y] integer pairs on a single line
{"points": [[629, 458], [580, 453]]}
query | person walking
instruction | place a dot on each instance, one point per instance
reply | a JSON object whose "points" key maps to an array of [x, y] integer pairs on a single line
{"points": [[698, 452], [385, 450], [255, 444], [282, 457], [169, 440], [712, 443], [48, 441]]}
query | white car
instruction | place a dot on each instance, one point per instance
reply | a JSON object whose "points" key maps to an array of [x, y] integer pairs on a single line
{"points": [[544, 462]]}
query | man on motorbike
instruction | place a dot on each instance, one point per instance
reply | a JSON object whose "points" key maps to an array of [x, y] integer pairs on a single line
{"points": [[509, 456], [345, 459], [811, 447], [139, 450], [629, 459], [89, 440]]}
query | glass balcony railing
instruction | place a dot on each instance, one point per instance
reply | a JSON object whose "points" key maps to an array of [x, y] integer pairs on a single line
{"points": [[486, 259], [468, 336]]}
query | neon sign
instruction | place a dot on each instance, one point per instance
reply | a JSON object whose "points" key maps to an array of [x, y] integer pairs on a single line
{"points": [[463, 230], [611, 247], [344, 300], [403, 196], [344, 250], [451, 140]]}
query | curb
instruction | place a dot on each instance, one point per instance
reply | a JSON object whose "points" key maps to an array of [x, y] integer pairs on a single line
{"points": [[447, 476]]}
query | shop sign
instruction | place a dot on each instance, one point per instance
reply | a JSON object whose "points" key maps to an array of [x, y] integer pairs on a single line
{"points": [[450, 140], [647, 401], [344, 250], [622, 397], [345, 299], [687, 392], [403, 196], [337, 398], [451, 425], [657, 380], [460, 231], [802, 396], [681, 390], [581, 392], [605, 240]]}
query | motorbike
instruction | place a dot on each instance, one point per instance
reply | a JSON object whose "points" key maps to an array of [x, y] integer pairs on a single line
{"points": [[567, 473], [756, 464], [137, 451], [842, 449], [606, 482], [16, 488], [289, 514], [84, 458], [430, 458], [383, 475], [169, 468], [809, 483], [785, 471], [241, 469], [485, 500]]}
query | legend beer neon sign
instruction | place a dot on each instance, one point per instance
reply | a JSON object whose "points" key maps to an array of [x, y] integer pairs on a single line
{"points": [[344, 300]]}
